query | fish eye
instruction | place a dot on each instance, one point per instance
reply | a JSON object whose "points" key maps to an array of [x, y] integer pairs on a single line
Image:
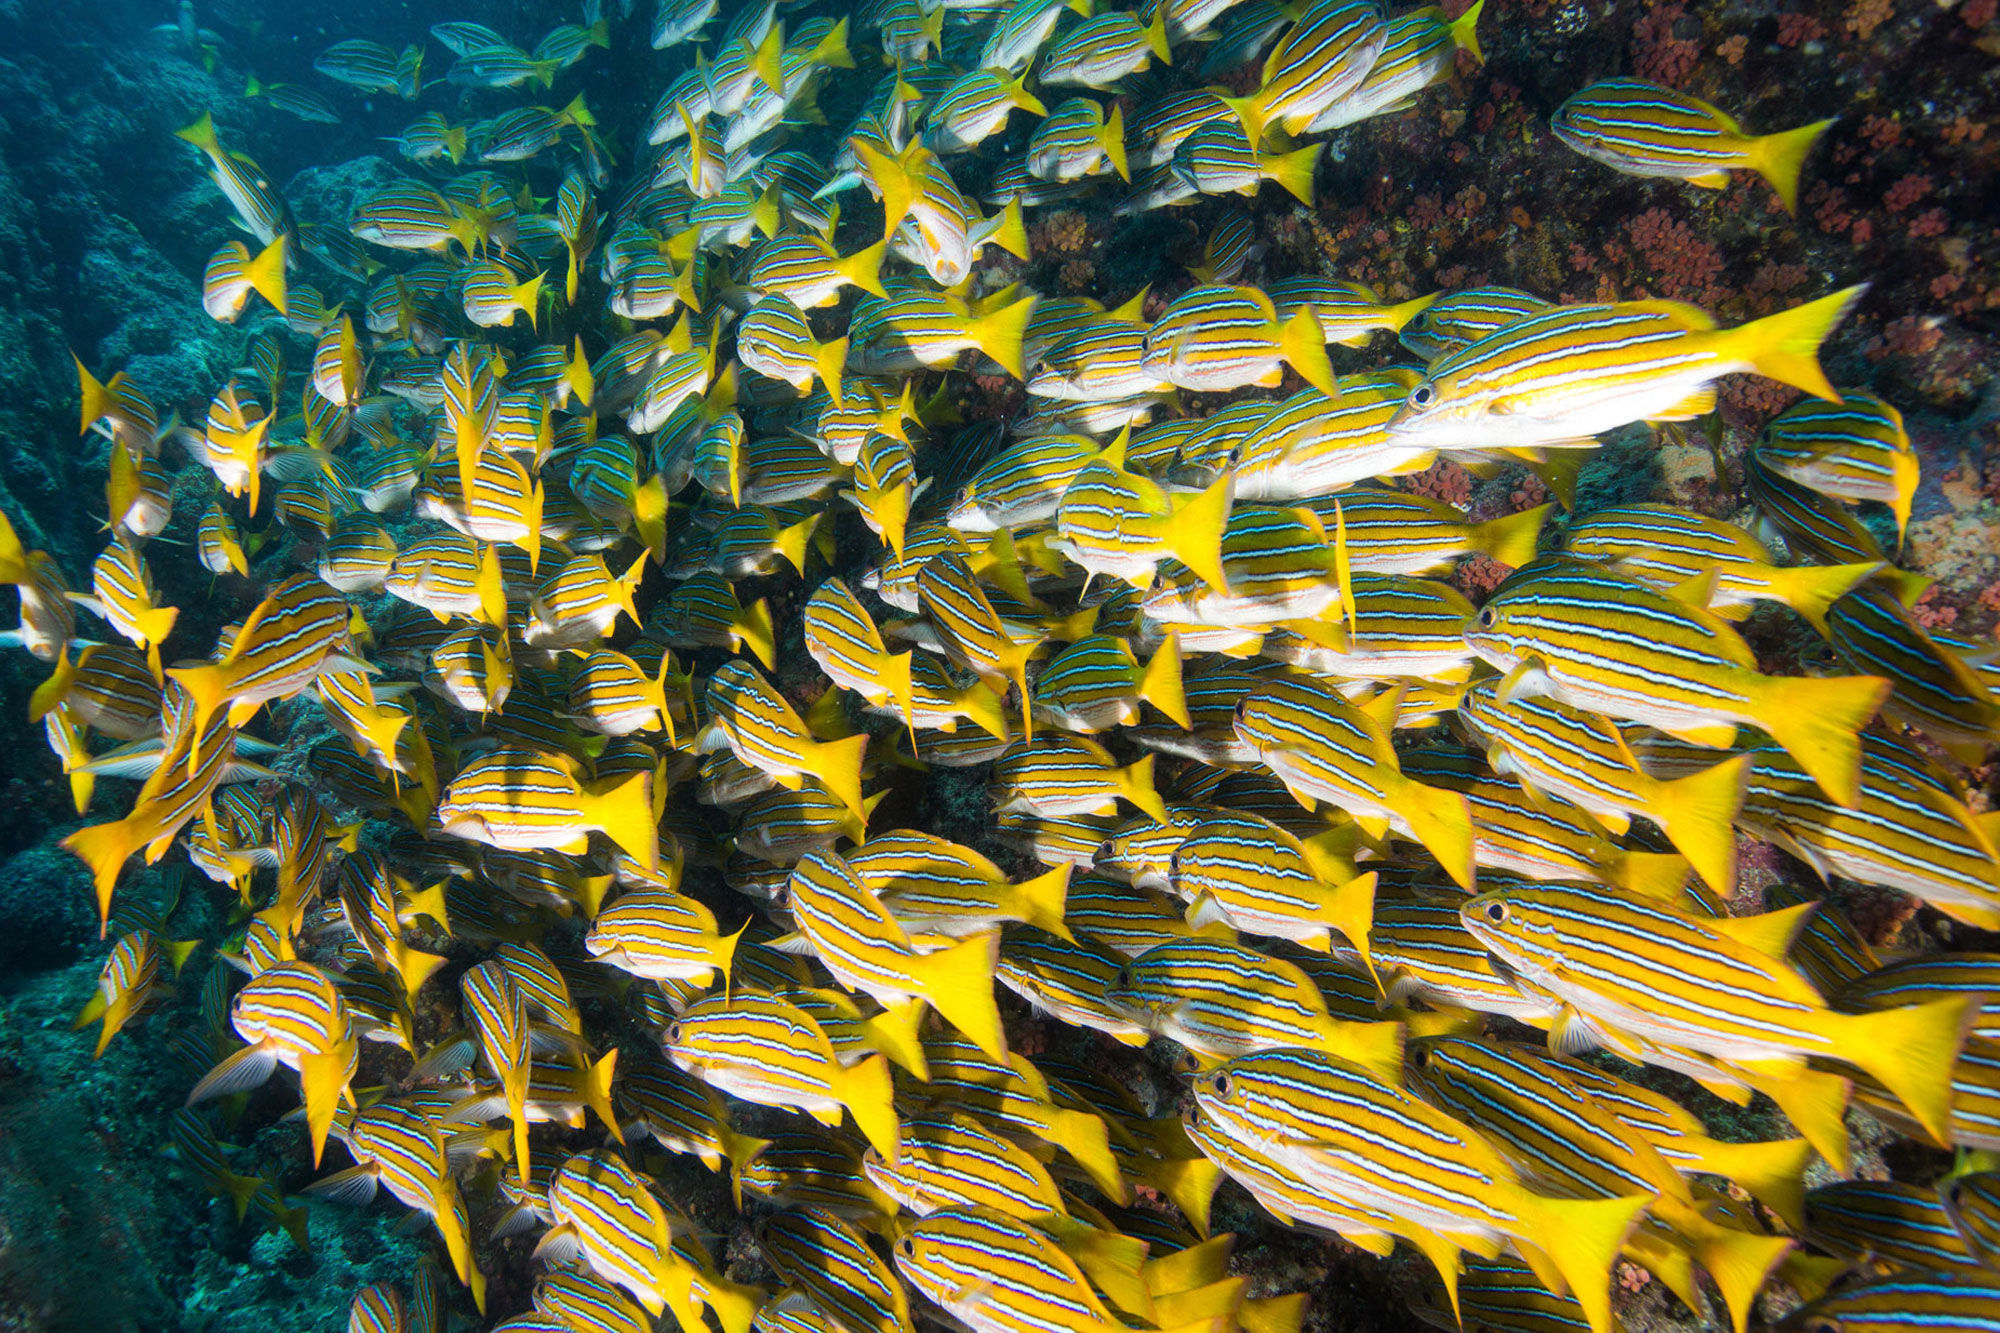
{"points": [[673, 1036], [1421, 1057], [1220, 1085], [1486, 617], [1496, 912], [907, 1247], [1423, 396]]}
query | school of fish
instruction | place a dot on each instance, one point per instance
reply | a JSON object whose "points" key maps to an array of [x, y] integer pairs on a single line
{"points": [[570, 686]]}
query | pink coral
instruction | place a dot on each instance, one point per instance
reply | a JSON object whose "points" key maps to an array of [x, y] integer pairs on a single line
{"points": [[1677, 262], [1657, 53]]}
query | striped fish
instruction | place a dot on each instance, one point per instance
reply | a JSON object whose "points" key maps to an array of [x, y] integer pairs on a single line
{"points": [[579, 601], [703, 612], [291, 1014], [130, 982], [760, 728], [828, 1260], [1070, 980], [1564, 1143], [371, 67], [769, 1051], [1216, 338], [1932, 689], [1942, 1303], [283, 645], [1078, 140], [1457, 319], [1366, 1142], [256, 201], [683, 1114], [232, 273], [1100, 51], [937, 887], [1578, 371], [1905, 829], [1322, 58], [1327, 749], [1660, 973], [1854, 450], [404, 1150], [1815, 528], [497, 1010], [662, 936], [1022, 485], [192, 764], [975, 108], [1317, 442], [810, 273], [1676, 550], [912, 330], [492, 294], [1419, 49], [866, 948], [1222, 1000], [1581, 758], [1070, 775], [1973, 1203], [524, 799], [627, 1238], [973, 634], [1000, 1275], [1241, 869], [1643, 129], [1602, 642], [775, 340], [1888, 1226]]}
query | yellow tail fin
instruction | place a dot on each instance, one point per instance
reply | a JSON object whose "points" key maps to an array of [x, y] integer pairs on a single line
{"points": [[1773, 1172], [1135, 784], [625, 815], [999, 333], [985, 709], [1698, 814], [1819, 723], [1778, 158], [266, 273], [837, 764], [863, 268], [1442, 821], [202, 134], [868, 1093], [767, 61], [958, 983], [1911, 1052], [1658, 876], [891, 179], [1739, 1261], [324, 1079], [1039, 901], [1582, 1238], [1301, 342], [1350, 909], [1785, 346], [895, 1033], [1113, 136], [1160, 683], [1377, 1047], [752, 629], [1194, 533], [1465, 31], [1011, 233], [1088, 1142], [1273, 1314], [1811, 589], [105, 848], [1156, 36], [1511, 538], [1294, 171], [1816, 1104]]}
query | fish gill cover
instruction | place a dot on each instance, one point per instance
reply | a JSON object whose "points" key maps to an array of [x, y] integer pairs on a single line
{"points": [[1194, 666]]}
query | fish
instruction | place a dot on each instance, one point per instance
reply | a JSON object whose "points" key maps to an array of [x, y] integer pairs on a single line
{"points": [[233, 273], [291, 1014], [259, 208], [130, 982], [1364, 1140], [1321, 58], [1104, 49], [288, 640], [1216, 338], [1643, 129], [1222, 1000], [1578, 371], [524, 799], [1855, 450], [662, 936], [1554, 626], [769, 1051], [1661, 969]]}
